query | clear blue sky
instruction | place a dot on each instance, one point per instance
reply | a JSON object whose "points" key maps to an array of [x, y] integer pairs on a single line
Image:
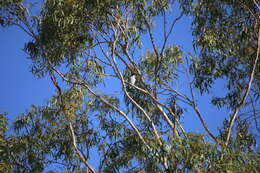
{"points": [[19, 88]]}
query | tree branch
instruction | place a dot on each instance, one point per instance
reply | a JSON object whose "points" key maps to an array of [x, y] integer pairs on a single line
{"points": [[196, 109], [170, 31], [120, 76], [241, 104], [104, 101], [72, 134], [158, 105]]}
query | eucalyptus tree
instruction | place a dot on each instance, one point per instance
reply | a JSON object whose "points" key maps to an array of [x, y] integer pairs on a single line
{"points": [[227, 37], [91, 50]]}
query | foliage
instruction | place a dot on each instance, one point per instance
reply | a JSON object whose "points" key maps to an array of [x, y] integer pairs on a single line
{"points": [[85, 46], [227, 38], [218, 27], [11, 11]]}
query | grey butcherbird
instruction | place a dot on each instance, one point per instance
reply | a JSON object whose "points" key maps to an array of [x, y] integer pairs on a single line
{"points": [[133, 79]]}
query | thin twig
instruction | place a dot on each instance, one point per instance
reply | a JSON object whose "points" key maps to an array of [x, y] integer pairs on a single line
{"points": [[196, 109], [151, 36], [254, 112], [170, 31]]}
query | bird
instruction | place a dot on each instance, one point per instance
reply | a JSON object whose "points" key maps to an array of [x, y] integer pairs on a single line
{"points": [[133, 79]]}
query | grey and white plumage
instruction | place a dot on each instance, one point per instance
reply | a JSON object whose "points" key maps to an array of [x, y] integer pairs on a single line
{"points": [[132, 79]]}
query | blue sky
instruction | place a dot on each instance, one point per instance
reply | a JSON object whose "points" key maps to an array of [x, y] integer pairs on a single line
{"points": [[19, 88]]}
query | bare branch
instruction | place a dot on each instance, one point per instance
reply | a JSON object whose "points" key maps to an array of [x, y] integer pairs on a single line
{"points": [[170, 31], [104, 101], [117, 71], [151, 36], [241, 104], [164, 25], [256, 4], [159, 106], [72, 134], [188, 100], [165, 116], [24, 29], [196, 109], [80, 155]]}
